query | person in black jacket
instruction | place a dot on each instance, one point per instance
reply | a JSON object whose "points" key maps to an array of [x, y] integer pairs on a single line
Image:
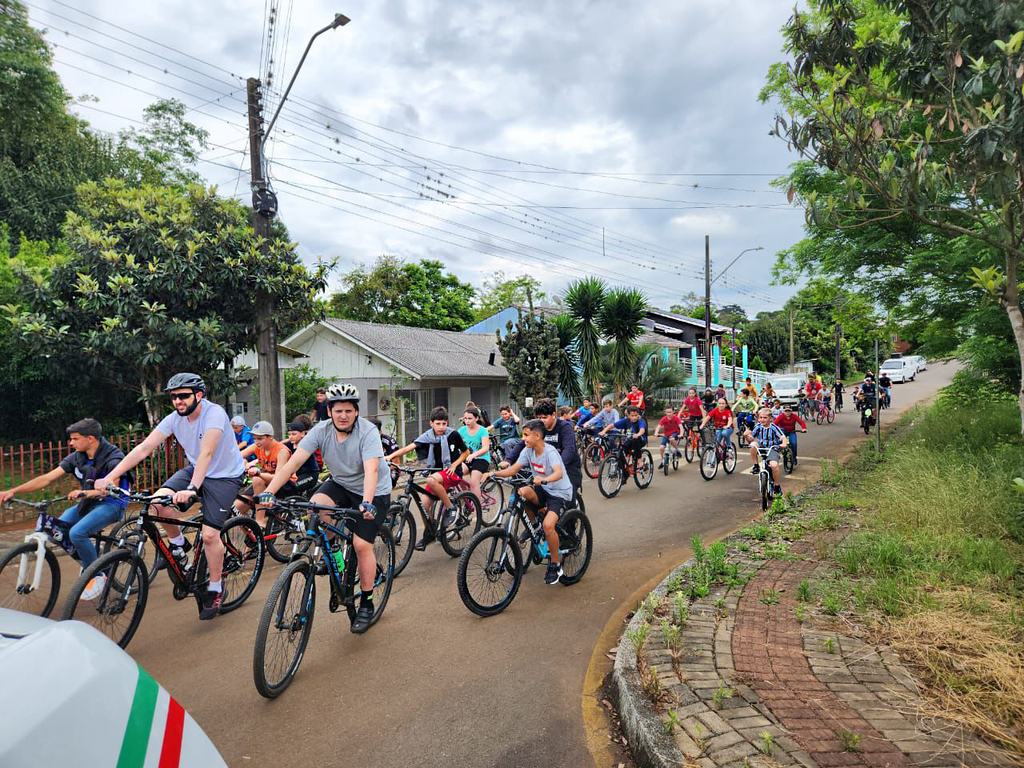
{"points": [[92, 458], [561, 434]]}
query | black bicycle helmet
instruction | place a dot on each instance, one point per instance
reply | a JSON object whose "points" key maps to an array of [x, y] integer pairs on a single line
{"points": [[186, 380]]}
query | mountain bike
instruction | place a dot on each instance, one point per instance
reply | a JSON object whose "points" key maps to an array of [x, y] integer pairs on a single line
{"points": [[722, 452], [593, 454], [693, 444], [765, 482], [618, 466], [803, 409], [492, 566], [287, 618], [119, 608], [29, 572]]}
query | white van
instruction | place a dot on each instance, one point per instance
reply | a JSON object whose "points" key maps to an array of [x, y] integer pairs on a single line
{"points": [[919, 362], [788, 386], [899, 369]]}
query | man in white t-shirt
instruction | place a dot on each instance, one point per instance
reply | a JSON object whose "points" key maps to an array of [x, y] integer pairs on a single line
{"points": [[214, 473]]}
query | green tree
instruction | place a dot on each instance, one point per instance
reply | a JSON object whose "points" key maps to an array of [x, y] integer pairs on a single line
{"points": [[654, 374], [160, 280], [300, 386], [584, 299], [767, 338], [692, 305], [530, 351], [168, 148], [568, 360], [918, 107], [396, 292], [621, 313], [500, 292], [732, 315]]}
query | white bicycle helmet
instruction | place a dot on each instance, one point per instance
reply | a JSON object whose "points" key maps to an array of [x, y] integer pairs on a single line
{"points": [[342, 393]]}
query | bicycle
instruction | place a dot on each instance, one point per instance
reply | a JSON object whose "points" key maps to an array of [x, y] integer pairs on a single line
{"points": [[839, 402], [670, 456], [618, 466], [803, 409], [824, 413], [744, 421], [765, 483], [126, 587], [291, 605], [593, 454], [492, 566], [25, 584], [722, 452], [693, 444]]}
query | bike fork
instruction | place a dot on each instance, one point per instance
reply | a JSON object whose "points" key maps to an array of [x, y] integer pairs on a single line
{"points": [[37, 571]]}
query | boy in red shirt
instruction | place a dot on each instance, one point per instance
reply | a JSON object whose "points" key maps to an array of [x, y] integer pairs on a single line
{"points": [[635, 397], [669, 428], [787, 421]]}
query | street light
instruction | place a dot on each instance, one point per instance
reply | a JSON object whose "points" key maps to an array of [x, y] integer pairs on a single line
{"points": [[758, 248], [340, 20]]}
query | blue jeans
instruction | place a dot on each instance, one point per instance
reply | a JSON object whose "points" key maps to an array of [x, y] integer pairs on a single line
{"points": [[792, 442], [101, 514], [723, 434]]}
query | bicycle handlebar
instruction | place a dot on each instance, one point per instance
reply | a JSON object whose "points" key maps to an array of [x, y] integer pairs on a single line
{"points": [[141, 498], [295, 502], [39, 505]]}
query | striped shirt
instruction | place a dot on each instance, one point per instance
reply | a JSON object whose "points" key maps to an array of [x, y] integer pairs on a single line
{"points": [[767, 436]]}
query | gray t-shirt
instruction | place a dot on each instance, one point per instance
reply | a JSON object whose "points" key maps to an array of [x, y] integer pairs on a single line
{"points": [[226, 461], [543, 466], [345, 460]]}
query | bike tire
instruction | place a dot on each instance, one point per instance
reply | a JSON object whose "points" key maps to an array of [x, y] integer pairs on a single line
{"points": [[384, 553], [830, 415], [490, 510], [592, 458], [481, 575], [675, 461], [244, 554], [403, 532], [665, 461], [575, 553], [820, 417], [279, 547], [688, 452], [133, 535], [610, 477], [764, 481], [729, 460], [644, 472], [285, 588], [787, 462], [126, 577], [39, 602], [709, 463], [455, 537]]}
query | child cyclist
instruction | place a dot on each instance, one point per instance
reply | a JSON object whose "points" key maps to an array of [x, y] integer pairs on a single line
{"points": [[551, 490], [669, 428], [745, 407], [771, 437], [475, 436], [444, 450]]}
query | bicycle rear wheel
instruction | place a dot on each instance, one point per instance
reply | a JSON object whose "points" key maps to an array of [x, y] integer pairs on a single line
{"points": [[244, 553], [275, 536], [709, 463], [284, 629], [729, 460], [576, 545], [644, 473], [491, 502], [456, 536], [118, 609], [403, 534], [610, 477], [384, 554], [592, 458], [16, 591], [490, 572]]}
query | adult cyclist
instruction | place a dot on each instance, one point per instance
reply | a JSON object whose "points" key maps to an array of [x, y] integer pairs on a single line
{"points": [[213, 475], [354, 456]]}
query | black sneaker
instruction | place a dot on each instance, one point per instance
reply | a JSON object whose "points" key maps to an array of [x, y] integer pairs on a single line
{"points": [[778, 490], [554, 573], [363, 618], [661, 464], [211, 604], [178, 551], [421, 545], [756, 469], [449, 517]]}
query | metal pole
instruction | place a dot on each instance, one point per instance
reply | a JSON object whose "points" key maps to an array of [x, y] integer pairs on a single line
{"points": [[792, 357], [878, 408], [734, 359], [839, 336], [707, 310]]}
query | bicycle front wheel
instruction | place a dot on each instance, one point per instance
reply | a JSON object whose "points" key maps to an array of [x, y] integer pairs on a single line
{"points": [[764, 481], [118, 609], [492, 501], [709, 463], [284, 629], [403, 534], [275, 535], [689, 451], [787, 461], [729, 460], [490, 572], [16, 590], [830, 415], [610, 477], [644, 473], [384, 575], [592, 458], [820, 417], [456, 536], [576, 545], [244, 553], [132, 536]]}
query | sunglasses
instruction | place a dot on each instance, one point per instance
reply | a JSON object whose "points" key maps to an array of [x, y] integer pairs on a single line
{"points": [[181, 395]]}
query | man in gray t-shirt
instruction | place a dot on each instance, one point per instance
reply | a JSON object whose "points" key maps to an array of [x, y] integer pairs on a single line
{"points": [[353, 454], [213, 474]]}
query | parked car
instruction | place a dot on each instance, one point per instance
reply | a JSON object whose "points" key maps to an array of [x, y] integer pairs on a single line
{"points": [[787, 386], [900, 369], [72, 697], [919, 361]]}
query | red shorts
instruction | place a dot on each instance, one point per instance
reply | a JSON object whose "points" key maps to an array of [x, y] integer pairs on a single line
{"points": [[450, 479]]}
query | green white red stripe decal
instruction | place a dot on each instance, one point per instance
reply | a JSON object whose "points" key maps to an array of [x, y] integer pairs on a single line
{"points": [[151, 704]]}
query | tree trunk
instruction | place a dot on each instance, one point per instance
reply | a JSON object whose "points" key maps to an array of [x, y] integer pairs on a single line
{"points": [[1011, 302], [152, 410]]}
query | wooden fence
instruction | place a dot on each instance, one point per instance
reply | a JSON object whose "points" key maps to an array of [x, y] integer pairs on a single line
{"points": [[23, 461]]}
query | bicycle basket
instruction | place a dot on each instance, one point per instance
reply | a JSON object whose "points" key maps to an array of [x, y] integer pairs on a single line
{"points": [[707, 434], [58, 530]]}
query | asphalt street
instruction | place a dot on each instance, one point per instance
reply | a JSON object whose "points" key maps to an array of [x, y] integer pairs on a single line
{"points": [[434, 685]]}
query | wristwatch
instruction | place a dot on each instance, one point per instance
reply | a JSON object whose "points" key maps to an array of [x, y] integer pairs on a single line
{"points": [[192, 488]]}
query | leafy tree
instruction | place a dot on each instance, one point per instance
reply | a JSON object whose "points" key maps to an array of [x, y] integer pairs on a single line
{"points": [[621, 313], [168, 148], [731, 315], [653, 374], [584, 299], [160, 280], [692, 305], [300, 386], [568, 360], [396, 292], [499, 293], [918, 108], [530, 351], [767, 338]]}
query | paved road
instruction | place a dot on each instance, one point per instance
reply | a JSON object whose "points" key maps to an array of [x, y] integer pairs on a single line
{"points": [[434, 685]]}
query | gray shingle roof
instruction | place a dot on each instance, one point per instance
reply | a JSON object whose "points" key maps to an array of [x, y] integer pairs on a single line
{"points": [[429, 353]]}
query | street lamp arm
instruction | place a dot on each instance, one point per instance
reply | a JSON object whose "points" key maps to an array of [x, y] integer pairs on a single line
{"points": [[340, 20], [758, 248]]}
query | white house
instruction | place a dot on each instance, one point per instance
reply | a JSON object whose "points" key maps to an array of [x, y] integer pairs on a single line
{"points": [[402, 372]]}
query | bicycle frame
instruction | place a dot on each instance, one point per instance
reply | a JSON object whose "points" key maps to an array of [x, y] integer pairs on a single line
{"points": [[516, 509]]}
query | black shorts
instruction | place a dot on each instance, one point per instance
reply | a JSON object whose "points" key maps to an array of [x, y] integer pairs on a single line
{"points": [[479, 465], [342, 497], [216, 494], [545, 499]]}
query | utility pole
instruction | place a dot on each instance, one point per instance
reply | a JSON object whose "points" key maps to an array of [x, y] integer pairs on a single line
{"points": [[263, 207], [839, 337], [707, 310], [792, 357], [878, 408], [734, 358]]}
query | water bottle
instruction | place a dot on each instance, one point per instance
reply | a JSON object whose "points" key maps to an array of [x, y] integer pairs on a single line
{"points": [[339, 560], [543, 549]]}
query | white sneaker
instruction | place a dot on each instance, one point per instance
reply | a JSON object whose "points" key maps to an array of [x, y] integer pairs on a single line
{"points": [[94, 587]]}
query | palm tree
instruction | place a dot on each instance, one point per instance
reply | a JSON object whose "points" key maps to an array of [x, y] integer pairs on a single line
{"points": [[568, 362], [584, 299], [654, 374], [619, 320]]}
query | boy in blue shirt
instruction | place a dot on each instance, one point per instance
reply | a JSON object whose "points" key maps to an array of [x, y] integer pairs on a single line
{"points": [[636, 428]]}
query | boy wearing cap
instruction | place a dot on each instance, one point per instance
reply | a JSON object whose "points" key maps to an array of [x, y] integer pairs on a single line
{"points": [[243, 436], [269, 454]]}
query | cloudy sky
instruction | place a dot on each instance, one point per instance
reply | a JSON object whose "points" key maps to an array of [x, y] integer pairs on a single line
{"points": [[491, 136]]}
